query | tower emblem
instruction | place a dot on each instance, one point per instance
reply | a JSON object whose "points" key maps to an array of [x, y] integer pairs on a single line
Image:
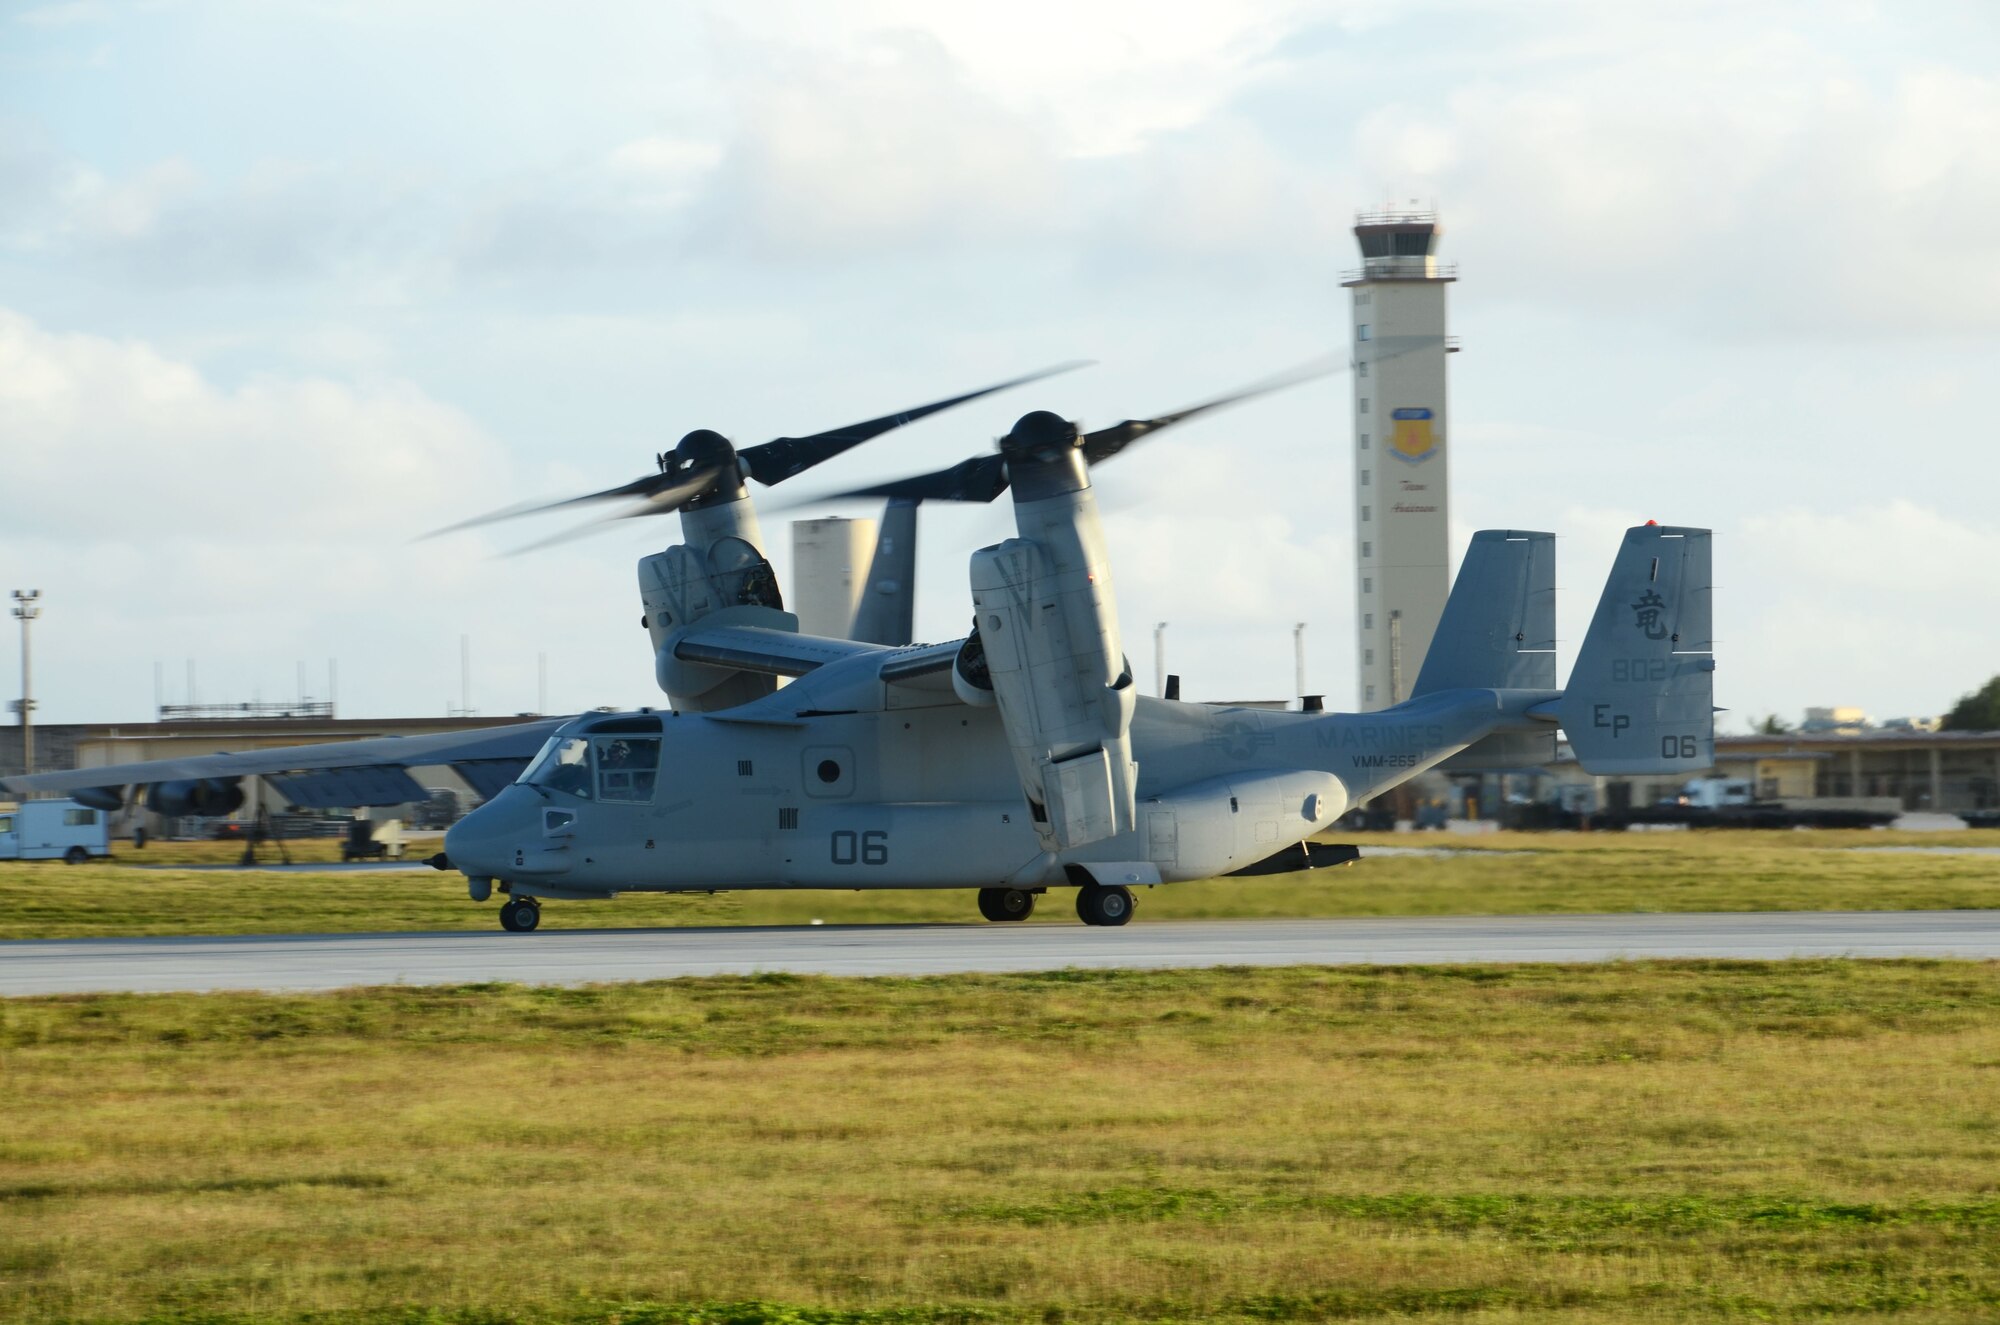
{"points": [[1412, 439]]}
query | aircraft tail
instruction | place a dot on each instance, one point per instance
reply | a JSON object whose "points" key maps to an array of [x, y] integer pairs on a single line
{"points": [[1498, 630], [888, 602], [1641, 698]]}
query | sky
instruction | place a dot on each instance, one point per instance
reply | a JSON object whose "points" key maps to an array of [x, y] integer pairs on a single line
{"points": [[286, 283]]}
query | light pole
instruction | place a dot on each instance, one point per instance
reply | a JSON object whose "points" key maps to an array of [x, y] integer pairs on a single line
{"points": [[26, 610]]}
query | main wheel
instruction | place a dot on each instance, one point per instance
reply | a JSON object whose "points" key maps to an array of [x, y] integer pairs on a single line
{"points": [[519, 917], [75, 856], [1006, 903], [1103, 906]]}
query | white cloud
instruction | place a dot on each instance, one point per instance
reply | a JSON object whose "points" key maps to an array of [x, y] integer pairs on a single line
{"points": [[247, 527], [296, 459], [886, 147], [1104, 77], [1745, 172]]}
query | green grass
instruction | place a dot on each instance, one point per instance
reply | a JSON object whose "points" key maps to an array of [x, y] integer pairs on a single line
{"points": [[1654, 1141], [1500, 874]]}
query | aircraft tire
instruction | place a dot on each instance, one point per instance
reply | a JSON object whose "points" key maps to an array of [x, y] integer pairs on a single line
{"points": [[1006, 903], [1097, 905], [518, 917]]}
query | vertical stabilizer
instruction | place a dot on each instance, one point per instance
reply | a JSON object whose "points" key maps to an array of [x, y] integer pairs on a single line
{"points": [[887, 611], [1641, 697], [1498, 630]]}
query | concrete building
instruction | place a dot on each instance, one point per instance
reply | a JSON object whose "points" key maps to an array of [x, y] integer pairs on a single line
{"points": [[1401, 450], [829, 571], [1889, 768], [63, 746]]}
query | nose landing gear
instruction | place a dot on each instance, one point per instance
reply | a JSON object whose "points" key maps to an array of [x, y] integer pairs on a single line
{"points": [[521, 915]]}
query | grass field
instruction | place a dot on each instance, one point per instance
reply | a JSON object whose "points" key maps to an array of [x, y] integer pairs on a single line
{"points": [[1502, 874], [1675, 1141]]}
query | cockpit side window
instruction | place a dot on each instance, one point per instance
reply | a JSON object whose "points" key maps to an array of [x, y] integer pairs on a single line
{"points": [[627, 767]]}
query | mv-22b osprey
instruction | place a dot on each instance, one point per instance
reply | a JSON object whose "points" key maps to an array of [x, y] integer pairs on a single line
{"points": [[1015, 760], [1022, 757]]}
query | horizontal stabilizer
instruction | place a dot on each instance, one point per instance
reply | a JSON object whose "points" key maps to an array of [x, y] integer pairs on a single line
{"points": [[1641, 697], [1504, 752]]}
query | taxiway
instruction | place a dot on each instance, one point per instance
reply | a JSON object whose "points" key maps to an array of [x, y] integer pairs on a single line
{"points": [[585, 956]]}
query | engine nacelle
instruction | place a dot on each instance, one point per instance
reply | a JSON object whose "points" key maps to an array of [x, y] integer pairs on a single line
{"points": [[724, 576], [1049, 633], [108, 799], [204, 796], [970, 680]]}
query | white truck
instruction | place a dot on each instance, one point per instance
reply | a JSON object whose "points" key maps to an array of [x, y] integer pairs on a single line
{"points": [[54, 830], [1714, 793]]}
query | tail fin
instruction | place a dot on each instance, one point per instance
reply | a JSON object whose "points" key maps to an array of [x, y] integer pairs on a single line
{"points": [[1641, 698], [1498, 630], [888, 602]]}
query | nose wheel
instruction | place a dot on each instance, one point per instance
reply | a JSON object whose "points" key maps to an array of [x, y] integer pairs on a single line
{"points": [[1006, 903], [520, 915], [1097, 905]]}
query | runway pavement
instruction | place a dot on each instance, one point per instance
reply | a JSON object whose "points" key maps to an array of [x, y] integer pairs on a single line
{"points": [[556, 956]]}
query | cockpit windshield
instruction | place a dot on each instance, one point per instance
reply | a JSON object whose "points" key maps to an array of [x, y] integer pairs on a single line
{"points": [[604, 768], [563, 765]]}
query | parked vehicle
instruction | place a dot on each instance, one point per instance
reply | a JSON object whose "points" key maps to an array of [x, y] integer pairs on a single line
{"points": [[54, 830]]}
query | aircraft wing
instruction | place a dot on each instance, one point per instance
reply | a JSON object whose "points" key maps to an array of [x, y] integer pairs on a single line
{"points": [[786, 653], [470, 752]]}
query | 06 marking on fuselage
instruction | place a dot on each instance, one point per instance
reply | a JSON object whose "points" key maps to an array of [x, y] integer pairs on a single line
{"points": [[868, 848]]}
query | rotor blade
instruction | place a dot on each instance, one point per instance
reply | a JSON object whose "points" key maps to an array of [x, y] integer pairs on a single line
{"points": [[1107, 442], [663, 501], [777, 460], [981, 478], [644, 487]]}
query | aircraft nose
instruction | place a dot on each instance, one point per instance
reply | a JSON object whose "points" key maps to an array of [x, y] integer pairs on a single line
{"points": [[509, 838], [482, 843]]}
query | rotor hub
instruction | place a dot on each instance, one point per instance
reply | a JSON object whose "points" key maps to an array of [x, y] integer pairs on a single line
{"points": [[1040, 437], [701, 449]]}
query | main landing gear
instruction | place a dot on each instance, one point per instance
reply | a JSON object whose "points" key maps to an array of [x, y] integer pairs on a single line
{"points": [[1098, 905], [520, 915], [1006, 903]]}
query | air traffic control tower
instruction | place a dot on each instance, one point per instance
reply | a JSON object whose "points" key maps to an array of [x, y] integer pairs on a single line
{"points": [[1401, 448]]}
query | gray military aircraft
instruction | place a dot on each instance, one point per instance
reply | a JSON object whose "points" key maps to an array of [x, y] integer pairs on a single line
{"points": [[1021, 758]]}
